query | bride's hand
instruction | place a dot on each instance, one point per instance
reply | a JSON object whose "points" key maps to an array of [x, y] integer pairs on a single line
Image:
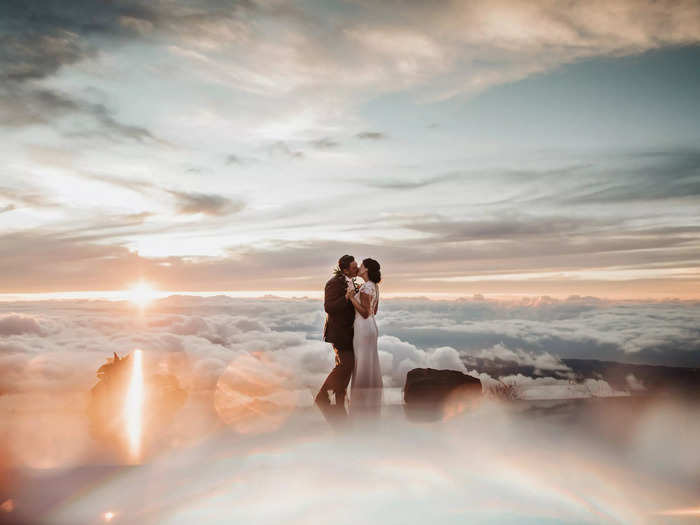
{"points": [[349, 293]]}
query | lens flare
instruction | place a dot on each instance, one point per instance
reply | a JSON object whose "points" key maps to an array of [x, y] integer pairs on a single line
{"points": [[251, 395], [133, 407]]}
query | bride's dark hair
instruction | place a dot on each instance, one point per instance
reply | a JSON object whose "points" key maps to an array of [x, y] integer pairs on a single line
{"points": [[373, 272]]}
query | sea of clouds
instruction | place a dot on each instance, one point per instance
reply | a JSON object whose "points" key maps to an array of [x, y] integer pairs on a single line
{"points": [[50, 346], [553, 463]]}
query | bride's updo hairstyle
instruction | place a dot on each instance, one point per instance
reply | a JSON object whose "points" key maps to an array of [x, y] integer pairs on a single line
{"points": [[373, 272]]}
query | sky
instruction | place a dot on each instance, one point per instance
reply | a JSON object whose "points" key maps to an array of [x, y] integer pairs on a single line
{"points": [[501, 147]]}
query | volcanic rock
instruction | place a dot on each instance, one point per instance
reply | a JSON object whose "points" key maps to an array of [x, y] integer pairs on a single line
{"points": [[432, 394]]}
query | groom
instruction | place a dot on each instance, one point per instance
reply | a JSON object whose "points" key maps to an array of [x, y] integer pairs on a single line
{"points": [[339, 331]]}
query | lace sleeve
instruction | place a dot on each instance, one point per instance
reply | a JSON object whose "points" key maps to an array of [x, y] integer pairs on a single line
{"points": [[368, 288]]}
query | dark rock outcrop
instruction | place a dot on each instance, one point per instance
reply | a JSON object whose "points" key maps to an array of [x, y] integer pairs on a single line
{"points": [[431, 394]]}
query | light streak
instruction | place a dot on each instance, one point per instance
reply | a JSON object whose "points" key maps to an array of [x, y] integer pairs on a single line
{"points": [[133, 406]]}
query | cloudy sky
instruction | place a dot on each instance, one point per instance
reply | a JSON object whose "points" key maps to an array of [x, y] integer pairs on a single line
{"points": [[498, 147]]}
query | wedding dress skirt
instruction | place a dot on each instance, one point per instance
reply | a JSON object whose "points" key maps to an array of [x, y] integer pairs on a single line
{"points": [[366, 384]]}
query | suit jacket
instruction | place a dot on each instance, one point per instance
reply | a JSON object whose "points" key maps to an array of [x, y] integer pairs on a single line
{"points": [[340, 314]]}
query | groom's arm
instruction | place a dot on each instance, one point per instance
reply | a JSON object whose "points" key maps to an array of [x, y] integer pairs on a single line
{"points": [[334, 300]]}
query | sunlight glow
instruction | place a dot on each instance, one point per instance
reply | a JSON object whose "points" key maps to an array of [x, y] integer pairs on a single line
{"points": [[142, 294], [133, 406]]}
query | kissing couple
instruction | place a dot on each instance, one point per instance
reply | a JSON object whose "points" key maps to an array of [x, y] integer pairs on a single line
{"points": [[351, 329]]}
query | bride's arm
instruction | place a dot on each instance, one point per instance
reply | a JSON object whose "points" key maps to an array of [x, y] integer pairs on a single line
{"points": [[362, 305]]}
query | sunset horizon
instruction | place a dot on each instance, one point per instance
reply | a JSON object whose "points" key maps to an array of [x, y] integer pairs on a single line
{"points": [[446, 295]]}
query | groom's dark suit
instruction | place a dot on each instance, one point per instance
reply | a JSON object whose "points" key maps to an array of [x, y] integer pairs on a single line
{"points": [[338, 330], [340, 314]]}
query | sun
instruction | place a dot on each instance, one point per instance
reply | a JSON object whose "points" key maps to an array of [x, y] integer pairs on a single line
{"points": [[141, 293]]}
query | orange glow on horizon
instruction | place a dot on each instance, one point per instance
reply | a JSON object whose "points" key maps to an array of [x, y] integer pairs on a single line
{"points": [[690, 511]]}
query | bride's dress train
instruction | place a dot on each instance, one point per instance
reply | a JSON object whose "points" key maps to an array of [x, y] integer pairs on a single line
{"points": [[366, 385]]}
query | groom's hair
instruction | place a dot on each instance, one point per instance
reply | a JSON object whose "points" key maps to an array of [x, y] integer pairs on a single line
{"points": [[344, 262]]}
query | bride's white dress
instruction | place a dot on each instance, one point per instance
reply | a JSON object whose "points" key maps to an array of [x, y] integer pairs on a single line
{"points": [[366, 385]]}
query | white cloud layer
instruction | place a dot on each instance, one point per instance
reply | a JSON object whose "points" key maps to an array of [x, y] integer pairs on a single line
{"points": [[229, 353], [58, 345]]}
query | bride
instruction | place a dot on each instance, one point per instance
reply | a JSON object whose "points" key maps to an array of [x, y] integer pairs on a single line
{"points": [[366, 385]]}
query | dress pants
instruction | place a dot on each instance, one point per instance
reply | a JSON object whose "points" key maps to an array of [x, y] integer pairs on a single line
{"points": [[339, 378]]}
